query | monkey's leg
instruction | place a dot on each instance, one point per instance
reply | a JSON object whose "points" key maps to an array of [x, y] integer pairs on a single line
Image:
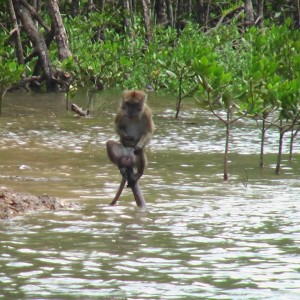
{"points": [[140, 162], [132, 182], [125, 177], [136, 190], [114, 151], [119, 192], [124, 159], [128, 175], [138, 195]]}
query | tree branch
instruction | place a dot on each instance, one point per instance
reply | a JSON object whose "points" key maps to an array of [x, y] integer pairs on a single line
{"points": [[35, 15], [225, 14]]}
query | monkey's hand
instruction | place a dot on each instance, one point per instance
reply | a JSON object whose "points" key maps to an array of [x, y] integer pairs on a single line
{"points": [[137, 150]]}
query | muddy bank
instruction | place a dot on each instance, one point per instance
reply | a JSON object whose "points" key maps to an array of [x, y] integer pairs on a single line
{"points": [[14, 204]]}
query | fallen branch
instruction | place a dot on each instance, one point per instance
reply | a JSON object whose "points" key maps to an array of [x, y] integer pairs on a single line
{"points": [[81, 112], [23, 83]]}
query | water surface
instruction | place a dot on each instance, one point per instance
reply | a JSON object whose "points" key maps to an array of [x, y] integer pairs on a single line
{"points": [[200, 238]]}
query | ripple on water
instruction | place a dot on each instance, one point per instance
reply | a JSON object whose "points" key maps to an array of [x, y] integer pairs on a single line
{"points": [[199, 238]]}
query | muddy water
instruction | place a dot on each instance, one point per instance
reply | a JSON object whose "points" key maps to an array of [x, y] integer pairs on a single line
{"points": [[200, 238]]}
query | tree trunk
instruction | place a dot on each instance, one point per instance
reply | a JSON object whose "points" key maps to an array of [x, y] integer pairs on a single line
{"points": [[291, 144], [18, 44], [36, 5], [228, 124], [169, 10], [280, 144], [188, 7], [207, 19], [179, 20], [2, 93], [147, 22], [180, 4], [160, 10], [35, 15], [74, 8], [200, 15], [292, 140], [126, 16], [101, 4], [202, 12], [38, 42], [60, 31], [260, 12], [262, 144], [249, 15], [179, 100], [90, 6]]}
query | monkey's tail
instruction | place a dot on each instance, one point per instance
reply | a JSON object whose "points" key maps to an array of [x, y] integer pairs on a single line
{"points": [[119, 192]]}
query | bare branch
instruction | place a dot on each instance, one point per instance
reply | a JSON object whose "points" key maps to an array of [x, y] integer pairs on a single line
{"points": [[35, 15]]}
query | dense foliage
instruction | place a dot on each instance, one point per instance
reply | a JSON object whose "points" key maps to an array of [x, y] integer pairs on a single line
{"points": [[244, 62]]}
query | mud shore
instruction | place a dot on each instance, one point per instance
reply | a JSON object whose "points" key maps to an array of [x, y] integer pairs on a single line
{"points": [[14, 204]]}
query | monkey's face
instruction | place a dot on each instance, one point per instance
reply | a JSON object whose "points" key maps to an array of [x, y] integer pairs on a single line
{"points": [[133, 103], [132, 110]]}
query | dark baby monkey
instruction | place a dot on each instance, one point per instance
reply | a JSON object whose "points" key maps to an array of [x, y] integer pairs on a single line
{"points": [[135, 127]]}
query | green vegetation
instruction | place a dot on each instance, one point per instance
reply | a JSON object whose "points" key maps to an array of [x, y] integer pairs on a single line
{"points": [[10, 70], [223, 59]]}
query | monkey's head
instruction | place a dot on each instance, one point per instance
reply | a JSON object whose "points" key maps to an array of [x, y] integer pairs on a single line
{"points": [[133, 103]]}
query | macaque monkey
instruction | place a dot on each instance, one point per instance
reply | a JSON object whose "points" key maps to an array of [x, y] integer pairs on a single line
{"points": [[135, 127]]}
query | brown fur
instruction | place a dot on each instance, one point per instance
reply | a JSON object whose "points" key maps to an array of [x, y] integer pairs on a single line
{"points": [[135, 127]]}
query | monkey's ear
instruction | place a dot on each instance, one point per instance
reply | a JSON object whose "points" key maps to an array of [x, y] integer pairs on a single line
{"points": [[125, 94], [142, 95]]}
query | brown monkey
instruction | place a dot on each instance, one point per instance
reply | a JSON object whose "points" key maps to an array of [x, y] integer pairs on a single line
{"points": [[126, 162], [135, 127]]}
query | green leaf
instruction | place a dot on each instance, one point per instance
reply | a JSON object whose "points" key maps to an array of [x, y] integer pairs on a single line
{"points": [[171, 74], [226, 77], [204, 61], [12, 67], [162, 63]]}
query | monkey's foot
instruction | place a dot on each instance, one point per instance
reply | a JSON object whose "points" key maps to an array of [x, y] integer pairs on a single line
{"points": [[131, 183], [129, 176], [113, 202], [132, 179]]}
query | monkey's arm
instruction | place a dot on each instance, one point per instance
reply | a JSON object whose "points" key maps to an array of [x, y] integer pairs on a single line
{"points": [[145, 139], [148, 132]]}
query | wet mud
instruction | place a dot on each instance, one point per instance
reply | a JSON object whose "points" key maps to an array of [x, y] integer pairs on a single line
{"points": [[14, 204]]}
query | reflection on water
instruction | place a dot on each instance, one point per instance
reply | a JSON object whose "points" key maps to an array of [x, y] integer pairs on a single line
{"points": [[199, 239]]}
